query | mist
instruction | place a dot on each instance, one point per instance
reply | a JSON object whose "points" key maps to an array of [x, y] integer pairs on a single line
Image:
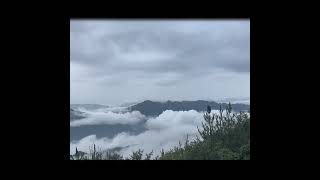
{"points": [[163, 132], [100, 117]]}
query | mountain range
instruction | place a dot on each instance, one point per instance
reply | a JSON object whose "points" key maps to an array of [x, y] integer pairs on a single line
{"points": [[152, 108], [148, 108], [155, 108], [88, 106]]}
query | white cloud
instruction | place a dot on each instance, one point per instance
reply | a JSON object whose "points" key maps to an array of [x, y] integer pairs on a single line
{"points": [[100, 117], [173, 119], [164, 132]]}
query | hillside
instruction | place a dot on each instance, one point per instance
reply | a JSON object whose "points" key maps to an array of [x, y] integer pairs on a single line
{"points": [[152, 108]]}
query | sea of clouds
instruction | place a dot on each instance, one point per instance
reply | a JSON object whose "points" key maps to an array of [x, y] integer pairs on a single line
{"points": [[163, 132]]}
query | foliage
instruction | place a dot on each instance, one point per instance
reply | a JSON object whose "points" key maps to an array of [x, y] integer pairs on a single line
{"points": [[149, 155], [137, 155], [224, 136], [113, 156]]}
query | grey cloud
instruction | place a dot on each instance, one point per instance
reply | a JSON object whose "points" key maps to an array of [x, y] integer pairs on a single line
{"points": [[115, 53], [186, 48]]}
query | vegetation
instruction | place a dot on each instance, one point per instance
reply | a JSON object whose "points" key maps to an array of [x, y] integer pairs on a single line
{"points": [[223, 136]]}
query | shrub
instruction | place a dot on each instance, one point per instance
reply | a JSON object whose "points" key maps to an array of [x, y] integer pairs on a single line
{"points": [[224, 136]]}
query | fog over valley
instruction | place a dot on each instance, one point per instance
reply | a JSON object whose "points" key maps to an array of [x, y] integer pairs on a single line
{"points": [[150, 84], [128, 130]]}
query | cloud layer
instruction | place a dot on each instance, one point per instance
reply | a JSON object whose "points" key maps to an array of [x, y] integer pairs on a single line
{"points": [[100, 117], [116, 61], [163, 132]]}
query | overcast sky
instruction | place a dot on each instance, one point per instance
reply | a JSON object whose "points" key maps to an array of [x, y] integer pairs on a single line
{"points": [[115, 62]]}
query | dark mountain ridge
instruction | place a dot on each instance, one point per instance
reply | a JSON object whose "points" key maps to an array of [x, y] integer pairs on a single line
{"points": [[153, 108]]}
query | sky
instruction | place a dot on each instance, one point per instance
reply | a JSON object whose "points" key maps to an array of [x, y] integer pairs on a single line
{"points": [[121, 61]]}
